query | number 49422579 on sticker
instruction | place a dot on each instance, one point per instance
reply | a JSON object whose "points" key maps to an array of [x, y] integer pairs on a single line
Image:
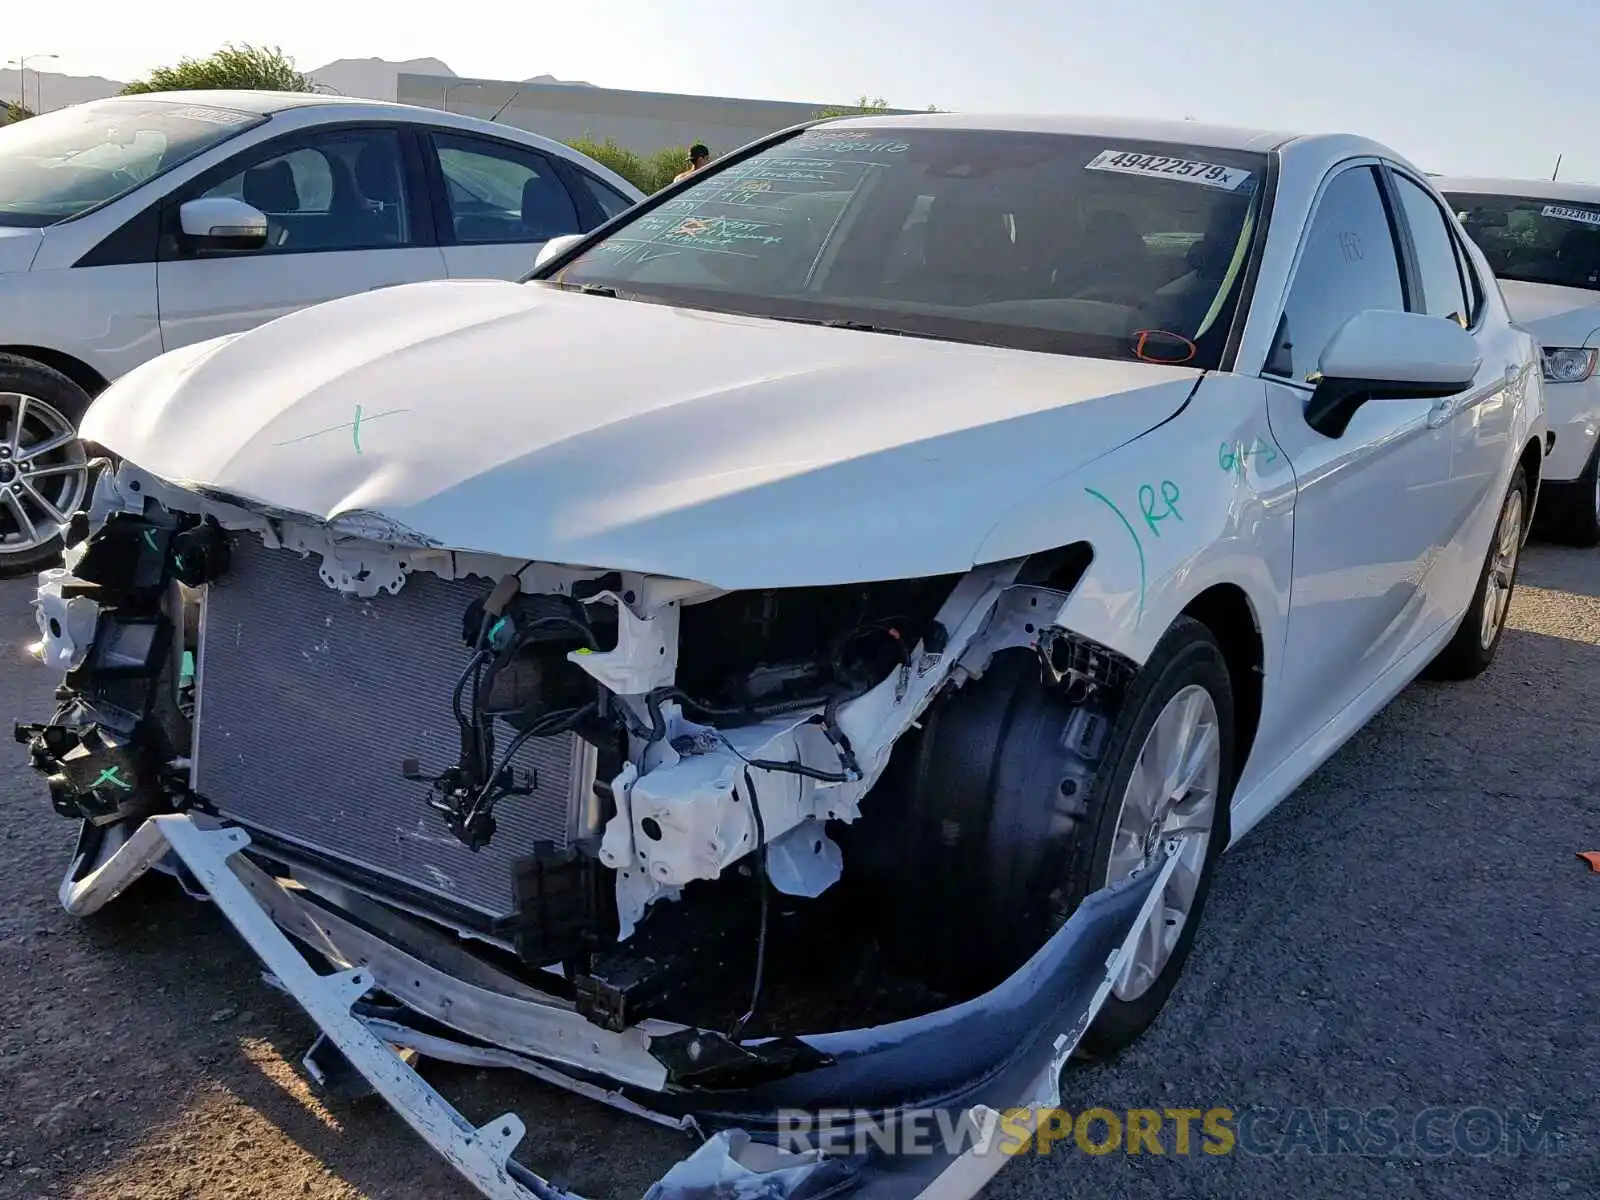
{"points": [[1229, 179]]}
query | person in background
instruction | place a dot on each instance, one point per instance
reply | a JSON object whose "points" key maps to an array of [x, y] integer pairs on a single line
{"points": [[699, 156]]}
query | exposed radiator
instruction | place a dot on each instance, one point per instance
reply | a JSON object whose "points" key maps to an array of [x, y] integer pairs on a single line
{"points": [[310, 700]]}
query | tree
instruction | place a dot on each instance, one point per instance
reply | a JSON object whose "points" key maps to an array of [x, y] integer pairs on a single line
{"points": [[862, 108], [649, 173], [11, 112], [263, 68]]}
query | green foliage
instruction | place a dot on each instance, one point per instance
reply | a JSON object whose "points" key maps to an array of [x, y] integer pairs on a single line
{"points": [[11, 111], [647, 172], [261, 68], [863, 107]]}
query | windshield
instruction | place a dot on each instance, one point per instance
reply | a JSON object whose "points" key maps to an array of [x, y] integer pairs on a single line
{"points": [[1533, 239], [62, 164], [1067, 244]]}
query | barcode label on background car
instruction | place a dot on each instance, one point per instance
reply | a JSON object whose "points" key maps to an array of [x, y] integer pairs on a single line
{"points": [[1127, 162], [1587, 216]]}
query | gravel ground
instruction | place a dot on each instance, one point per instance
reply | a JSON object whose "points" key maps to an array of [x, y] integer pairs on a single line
{"points": [[1412, 930]]}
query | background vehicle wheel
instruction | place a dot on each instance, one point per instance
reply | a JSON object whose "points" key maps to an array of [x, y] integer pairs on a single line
{"points": [[1469, 653], [1167, 775], [1578, 519], [44, 468]]}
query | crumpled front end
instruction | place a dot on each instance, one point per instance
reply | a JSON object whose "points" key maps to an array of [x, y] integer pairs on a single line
{"points": [[632, 835]]}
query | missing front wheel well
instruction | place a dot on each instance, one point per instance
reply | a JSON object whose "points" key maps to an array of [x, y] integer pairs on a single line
{"points": [[976, 826], [1226, 611], [1061, 568]]}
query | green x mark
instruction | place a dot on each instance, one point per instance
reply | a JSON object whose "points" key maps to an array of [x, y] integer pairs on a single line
{"points": [[112, 775]]}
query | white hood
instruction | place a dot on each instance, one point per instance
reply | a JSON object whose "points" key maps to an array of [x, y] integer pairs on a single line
{"points": [[1557, 316], [525, 421], [18, 247]]}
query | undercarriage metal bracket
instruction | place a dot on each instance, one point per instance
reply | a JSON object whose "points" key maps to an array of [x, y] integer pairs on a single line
{"points": [[482, 1155]]}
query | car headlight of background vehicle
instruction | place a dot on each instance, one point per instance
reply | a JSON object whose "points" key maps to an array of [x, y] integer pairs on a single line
{"points": [[1568, 365]]}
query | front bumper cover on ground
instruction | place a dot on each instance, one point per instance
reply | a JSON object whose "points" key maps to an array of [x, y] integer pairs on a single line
{"points": [[1002, 1051]]}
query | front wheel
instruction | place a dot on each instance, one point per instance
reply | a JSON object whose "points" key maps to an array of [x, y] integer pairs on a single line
{"points": [[1469, 653], [44, 468], [1168, 778]]}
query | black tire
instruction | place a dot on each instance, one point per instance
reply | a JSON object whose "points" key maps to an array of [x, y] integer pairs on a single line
{"points": [[1466, 656], [1187, 654], [1010, 799], [1578, 505], [49, 387]]}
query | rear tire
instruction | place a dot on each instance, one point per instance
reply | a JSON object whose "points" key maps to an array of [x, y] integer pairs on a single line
{"points": [[43, 479], [1469, 653]]}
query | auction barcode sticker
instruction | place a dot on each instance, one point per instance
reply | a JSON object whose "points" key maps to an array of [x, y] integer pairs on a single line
{"points": [[1129, 163], [1587, 216]]}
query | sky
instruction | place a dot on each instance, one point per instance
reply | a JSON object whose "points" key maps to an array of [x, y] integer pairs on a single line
{"points": [[1457, 86]]}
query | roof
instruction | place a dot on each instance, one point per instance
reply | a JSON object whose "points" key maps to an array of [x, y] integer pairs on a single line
{"points": [[1538, 189], [266, 104], [261, 102], [1194, 133]]}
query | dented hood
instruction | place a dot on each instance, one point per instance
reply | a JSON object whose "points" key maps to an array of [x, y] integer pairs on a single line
{"points": [[522, 420]]}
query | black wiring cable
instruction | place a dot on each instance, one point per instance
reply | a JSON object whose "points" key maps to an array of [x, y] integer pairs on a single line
{"points": [[764, 884], [548, 725], [486, 666], [455, 699]]}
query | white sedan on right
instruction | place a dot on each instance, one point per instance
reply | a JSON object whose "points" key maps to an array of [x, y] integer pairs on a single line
{"points": [[1542, 239]]}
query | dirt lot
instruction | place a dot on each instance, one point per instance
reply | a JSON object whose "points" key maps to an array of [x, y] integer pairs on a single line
{"points": [[1411, 930]]}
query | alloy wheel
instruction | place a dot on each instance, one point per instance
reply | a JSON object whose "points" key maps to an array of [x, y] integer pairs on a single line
{"points": [[44, 473], [1171, 797]]}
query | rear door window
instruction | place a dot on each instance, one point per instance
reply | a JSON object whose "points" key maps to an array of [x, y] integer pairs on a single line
{"points": [[1443, 293]]}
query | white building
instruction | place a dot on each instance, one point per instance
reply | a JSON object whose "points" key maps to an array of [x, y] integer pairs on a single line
{"points": [[643, 122]]}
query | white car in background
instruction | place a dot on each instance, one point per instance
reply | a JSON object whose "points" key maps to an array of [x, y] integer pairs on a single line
{"points": [[136, 225], [828, 611], [1543, 241]]}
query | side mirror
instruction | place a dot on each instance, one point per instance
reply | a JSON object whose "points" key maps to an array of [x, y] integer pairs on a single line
{"points": [[1379, 354], [222, 223], [556, 247]]}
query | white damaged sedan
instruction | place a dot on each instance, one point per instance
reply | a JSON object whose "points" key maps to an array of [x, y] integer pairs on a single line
{"points": [[806, 649]]}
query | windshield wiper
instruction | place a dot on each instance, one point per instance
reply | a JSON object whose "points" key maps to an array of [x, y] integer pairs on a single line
{"points": [[862, 327], [587, 289]]}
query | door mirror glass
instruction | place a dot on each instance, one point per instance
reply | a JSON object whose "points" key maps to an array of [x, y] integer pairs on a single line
{"points": [[555, 247], [214, 223], [1381, 354]]}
